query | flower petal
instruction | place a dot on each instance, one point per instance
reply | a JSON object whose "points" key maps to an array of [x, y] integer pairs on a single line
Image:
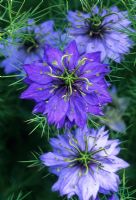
{"points": [[52, 159], [38, 72], [88, 187], [73, 55], [103, 178], [76, 111], [37, 92], [56, 107], [53, 57], [40, 107], [67, 181]]}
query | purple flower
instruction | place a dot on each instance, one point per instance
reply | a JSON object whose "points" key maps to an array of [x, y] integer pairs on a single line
{"points": [[103, 30], [27, 47], [114, 112], [85, 162], [67, 86]]}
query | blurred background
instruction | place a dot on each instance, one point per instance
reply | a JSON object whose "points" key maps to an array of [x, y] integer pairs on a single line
{"points": [[16, 142]]}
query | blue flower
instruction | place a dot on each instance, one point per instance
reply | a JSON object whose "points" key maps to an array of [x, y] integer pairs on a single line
{"points": [[66, 86], [114, 112], [85, 162], [101, 30], [27, 47]]}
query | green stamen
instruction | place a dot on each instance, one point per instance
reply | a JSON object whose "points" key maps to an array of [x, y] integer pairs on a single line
{"points": [[70, 77], [84, 158]]}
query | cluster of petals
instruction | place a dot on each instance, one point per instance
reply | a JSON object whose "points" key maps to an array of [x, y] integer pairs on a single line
{"points": [[114, 112], [105, 30], [86, 163], [67, 86], [28, 45]]}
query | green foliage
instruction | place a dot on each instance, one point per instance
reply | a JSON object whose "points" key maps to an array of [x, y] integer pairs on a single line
{"points": [[35, 162], [125, 192], [40, 122], [20, 196]]}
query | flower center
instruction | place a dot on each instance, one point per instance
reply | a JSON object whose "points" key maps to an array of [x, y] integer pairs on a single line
{"points": [[84, 158], [30, 44], [69, 78], [95, 23], [97, 27]]}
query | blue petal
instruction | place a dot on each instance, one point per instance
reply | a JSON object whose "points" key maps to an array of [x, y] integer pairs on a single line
{"points": [[72, 59]]}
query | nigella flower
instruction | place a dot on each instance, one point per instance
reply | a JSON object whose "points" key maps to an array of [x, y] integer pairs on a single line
{"points": [[85, 162], [67, 86], [114, 112], [27, 46], [103, 30]]}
